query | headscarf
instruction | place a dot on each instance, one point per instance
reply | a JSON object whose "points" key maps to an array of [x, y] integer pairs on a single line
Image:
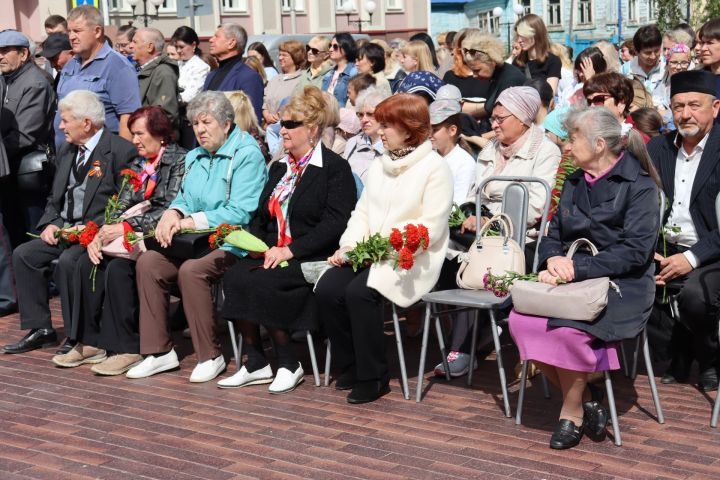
{"points": [[421, 81], [553, 122], [522, 102], [678, 48]]}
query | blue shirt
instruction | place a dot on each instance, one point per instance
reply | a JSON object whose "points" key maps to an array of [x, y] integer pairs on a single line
{"points": [[111, 76]]}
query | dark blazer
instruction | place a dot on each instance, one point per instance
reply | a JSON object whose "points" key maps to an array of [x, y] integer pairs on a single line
{"points": [[170, 175], [620, 214], [706, 186], [241, 77], [113, 154], [319, 208]]}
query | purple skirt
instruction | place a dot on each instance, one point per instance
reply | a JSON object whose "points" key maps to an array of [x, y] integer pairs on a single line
{"points": [[563, 347]]}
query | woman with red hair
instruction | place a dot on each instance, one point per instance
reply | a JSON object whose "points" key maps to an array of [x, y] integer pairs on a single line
{"points": [[105, 306], [409, 183]]}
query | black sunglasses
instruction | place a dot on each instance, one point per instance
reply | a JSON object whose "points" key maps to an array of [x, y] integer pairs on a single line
{"points": [[313, 50], [290, 124], [335, 46]]}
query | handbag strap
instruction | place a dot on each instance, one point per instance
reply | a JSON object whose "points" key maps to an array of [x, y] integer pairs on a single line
{"points": [[577, 243], [505, 224]]}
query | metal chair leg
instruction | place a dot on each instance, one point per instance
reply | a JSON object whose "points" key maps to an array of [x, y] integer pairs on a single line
{"points": [[423, 353], [521, 396], [716, 410], [313, 358], [633, 370], [401, 354], [651, 376], [498, 356], [473, 348], [623, 359], [328, 357], [443, 349], [546, 387], [613, 409], [236, 344]]}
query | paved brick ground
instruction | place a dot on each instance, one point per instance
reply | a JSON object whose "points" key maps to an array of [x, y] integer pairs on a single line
{"points": [[60, 424]]}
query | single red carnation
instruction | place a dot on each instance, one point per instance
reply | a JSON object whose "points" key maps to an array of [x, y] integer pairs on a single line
{"points": [[412, 237], [72, 237], [425, 235], [136, 184], [396, 239], [405, 259], [88, 233], [212, 241]]}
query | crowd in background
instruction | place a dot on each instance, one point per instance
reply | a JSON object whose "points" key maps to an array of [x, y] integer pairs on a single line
{"points": [[340, 139]]}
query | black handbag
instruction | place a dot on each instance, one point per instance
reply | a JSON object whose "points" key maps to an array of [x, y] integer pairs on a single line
{"points": [[35, 171], [184, 246]]}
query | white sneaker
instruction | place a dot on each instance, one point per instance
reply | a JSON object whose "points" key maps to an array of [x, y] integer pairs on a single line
{"points": [[152, 365], [207, 370], [244, 378], [286, 381]]}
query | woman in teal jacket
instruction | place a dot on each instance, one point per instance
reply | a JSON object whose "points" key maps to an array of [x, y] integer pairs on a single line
{"points": [[224, 177]]}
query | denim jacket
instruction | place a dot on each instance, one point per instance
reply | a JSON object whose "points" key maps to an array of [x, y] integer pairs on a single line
{"points": [[340, 91]]}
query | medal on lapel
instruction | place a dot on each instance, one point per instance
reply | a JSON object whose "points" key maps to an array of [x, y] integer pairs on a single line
{"points": [[95, 171]]}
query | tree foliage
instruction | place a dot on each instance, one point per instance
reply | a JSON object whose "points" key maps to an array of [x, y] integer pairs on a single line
{"points": [[669, 13]]}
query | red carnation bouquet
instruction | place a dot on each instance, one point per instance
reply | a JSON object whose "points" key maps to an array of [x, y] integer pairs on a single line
{"points": [[401, 246], [565, 169], [217, 239]]}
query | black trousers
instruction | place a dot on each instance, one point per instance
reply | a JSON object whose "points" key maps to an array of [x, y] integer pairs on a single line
{"points": [[696, 334], [8, 297], [352, 314], [32, 264], [107, 317]]}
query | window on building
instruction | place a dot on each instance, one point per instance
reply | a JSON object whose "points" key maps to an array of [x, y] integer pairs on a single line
{"points": [[526, 4], [488, 23], [652, 9], [584, 12], [632, 15], [299, 5], [394, 4], [554, 13], [234, 5]]}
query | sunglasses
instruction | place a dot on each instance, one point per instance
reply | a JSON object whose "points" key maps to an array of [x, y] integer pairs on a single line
{"points": [[314, 51], [471, 52], [290, 124], [598, 100], [335, 46]]}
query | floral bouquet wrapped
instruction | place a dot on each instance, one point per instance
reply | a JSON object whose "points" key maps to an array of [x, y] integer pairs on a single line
{"points": [[399, 246]]}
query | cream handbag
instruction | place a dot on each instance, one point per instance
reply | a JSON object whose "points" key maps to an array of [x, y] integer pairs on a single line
{"points": [[499, 254], [582, 301]]}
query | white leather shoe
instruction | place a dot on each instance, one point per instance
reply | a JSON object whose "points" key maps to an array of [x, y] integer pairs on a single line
{"points": [[286, 381], [243, 378], [207, 370], [152, 365]]}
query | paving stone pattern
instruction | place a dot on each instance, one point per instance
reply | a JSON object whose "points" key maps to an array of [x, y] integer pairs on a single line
{"points": [[69, 424]]}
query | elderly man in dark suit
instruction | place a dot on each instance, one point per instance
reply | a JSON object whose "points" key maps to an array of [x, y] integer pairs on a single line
{"points": [[689, 165], [88, 173]]}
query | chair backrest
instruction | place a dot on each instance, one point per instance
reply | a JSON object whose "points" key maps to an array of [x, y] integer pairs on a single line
{"points": [[517, 214]]}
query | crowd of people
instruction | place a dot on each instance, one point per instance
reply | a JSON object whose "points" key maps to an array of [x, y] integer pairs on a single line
{"points": [[340, 140]]}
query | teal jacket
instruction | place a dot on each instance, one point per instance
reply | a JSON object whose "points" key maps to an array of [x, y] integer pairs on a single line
{"points": [[225, 187]]}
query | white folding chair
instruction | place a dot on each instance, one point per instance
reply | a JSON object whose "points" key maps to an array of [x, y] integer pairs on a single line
{"points": [[515, 205]]}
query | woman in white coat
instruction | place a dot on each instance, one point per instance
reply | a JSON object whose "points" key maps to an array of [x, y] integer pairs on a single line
{"points": [[409, 184]]}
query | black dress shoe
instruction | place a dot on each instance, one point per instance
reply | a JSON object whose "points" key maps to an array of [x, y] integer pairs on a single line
{"points": [[595, 416], [669, 379], [365, 392], [36, 338], [345, 380], [708, 380], [678, 371], [566, 435], [66, 346]]}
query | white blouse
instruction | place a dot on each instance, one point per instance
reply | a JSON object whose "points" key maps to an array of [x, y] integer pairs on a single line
{"points": [[192, 77]]}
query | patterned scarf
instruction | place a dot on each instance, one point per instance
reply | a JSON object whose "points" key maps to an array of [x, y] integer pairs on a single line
{"points": [[503, 154], [279, 199], [150, 173]]}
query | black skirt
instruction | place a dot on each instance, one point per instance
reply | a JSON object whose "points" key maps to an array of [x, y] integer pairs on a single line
{"points": [[275, 298]]}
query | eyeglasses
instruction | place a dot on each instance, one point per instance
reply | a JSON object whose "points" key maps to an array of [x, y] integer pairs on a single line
{"points": [[598, 100], [313, 50], [679, 64], [290, 124], [361, 115], [471, 52], [335, 46], [499, 119]]}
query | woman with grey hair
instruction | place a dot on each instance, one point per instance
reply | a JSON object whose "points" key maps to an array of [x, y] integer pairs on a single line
{"points": [[223, 180], [611, 200], [366, 146]]}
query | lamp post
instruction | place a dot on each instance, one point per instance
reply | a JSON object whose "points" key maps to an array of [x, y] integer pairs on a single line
{"points": [[145, 16], [498, 12], [348, 7]]}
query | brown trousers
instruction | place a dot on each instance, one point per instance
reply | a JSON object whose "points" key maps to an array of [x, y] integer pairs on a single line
{"points": [[156, 274]]}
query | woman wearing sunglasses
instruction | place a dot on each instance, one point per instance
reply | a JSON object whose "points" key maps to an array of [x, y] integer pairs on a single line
{"points": [[343, 51], [318, 63], [303, 210]]}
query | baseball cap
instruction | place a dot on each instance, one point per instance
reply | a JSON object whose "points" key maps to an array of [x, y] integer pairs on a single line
{"points": [[54, 44], [13, 38], [448, 92], [440, 110]]}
